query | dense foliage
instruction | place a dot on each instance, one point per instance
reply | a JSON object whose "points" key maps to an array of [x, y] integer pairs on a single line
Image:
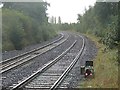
{"points": [[24, 24], [102, 21]]}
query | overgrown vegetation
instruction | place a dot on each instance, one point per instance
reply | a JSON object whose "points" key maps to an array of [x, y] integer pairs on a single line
{"points": [[24, 24], [106, 68], [101, 21]]}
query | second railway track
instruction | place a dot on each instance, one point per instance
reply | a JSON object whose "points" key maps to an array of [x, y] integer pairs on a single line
{"points": [[33, 50], [20, 59], [53, 73]]}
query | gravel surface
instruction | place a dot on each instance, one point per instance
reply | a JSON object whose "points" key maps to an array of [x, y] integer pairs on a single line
{"points": [[20, 73], [54, 72], [74, 78], [13, 53]]}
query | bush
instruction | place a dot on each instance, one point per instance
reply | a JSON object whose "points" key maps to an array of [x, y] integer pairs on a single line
{"points": [[20, 30]]}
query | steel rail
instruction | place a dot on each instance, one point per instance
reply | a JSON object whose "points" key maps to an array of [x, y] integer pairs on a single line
{"points": [[61, 78], [44, 68], [28, 59], [15, 57]]}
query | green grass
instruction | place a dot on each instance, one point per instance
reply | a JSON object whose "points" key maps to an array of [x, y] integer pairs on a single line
{"points": [[106, 68]]}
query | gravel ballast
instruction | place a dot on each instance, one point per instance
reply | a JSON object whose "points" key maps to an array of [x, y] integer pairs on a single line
{"points": [[74, 78], [20, 73], [13, 53], [52, 74], [14, 76]]}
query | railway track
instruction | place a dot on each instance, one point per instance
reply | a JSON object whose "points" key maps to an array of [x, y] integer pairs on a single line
{"points": [[21, 72], [31, 51], [54, 72], [25, 57]]}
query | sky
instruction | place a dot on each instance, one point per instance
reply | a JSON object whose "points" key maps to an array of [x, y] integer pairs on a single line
{"points": [[68, 9], [1, 5]]}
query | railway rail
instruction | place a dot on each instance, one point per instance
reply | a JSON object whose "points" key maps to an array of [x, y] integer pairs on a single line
{"points": [[8, 60], [21, 72], [54, 72], [25, 57]]}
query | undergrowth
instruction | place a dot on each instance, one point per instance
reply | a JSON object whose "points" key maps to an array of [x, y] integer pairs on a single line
{"points": [[106, 68]]}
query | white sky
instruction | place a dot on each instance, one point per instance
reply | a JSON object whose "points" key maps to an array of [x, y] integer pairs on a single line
{"points": [[1, 5], [68, 9]]}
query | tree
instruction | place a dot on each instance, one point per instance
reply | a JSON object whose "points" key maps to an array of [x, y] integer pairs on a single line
{"points": [[55, 20], [59, 20], [101, 20], [79, 18], [24, 24]]}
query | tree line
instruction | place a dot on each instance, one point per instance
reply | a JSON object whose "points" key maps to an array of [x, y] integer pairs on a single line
{"points": [[53, 20], [25, 24], [101, 20]]}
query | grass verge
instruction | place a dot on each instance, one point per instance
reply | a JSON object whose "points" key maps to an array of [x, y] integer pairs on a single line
{"points": [[106, 68]]}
